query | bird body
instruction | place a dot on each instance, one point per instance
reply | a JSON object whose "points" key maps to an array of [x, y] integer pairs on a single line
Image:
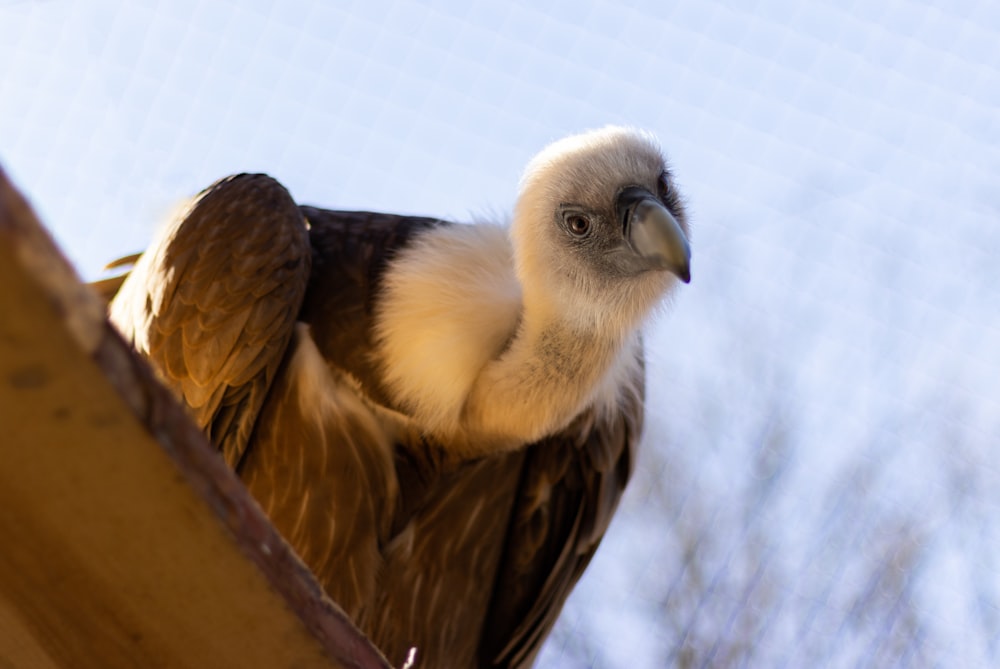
{"points": [[439, 418]]}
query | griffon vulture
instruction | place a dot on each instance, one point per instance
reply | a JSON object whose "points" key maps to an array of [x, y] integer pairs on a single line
{"points": [[439, 418]]}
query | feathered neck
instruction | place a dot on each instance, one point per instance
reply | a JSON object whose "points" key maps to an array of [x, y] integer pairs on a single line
{"points": [[479, 361]]}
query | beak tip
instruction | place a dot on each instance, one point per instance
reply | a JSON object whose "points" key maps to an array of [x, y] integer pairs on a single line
{"points": [[683, 272]]}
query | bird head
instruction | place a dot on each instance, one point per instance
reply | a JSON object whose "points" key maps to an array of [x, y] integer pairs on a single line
{"points": [[599, 230]]}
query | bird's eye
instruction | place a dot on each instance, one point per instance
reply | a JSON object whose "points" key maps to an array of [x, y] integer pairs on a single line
{"points": [[578, 224]]}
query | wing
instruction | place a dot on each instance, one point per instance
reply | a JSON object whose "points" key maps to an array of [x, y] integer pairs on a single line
{"points": [[569, 488], [213, 302]]}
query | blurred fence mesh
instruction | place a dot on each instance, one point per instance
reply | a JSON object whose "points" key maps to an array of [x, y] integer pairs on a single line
{"points": [[819, 485]]}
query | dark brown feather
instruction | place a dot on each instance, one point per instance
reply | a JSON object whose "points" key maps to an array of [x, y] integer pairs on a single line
{"points": [[569, 489], [350, 252]]}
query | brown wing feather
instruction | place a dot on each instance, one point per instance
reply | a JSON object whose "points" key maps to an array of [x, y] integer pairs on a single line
{"points": [[320, 467], [213, 302], [569, 489]]}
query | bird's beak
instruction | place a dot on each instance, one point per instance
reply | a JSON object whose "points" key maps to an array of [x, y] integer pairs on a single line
{"points": [[653, 233]]}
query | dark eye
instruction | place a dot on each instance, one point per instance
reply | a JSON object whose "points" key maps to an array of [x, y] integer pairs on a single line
{"points": [[578, 224]]}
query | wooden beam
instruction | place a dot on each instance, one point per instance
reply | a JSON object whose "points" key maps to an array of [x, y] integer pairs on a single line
{"points": [[124, 539]]}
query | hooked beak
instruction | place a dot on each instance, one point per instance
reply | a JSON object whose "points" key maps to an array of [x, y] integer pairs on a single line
{"points": [[653, 233]]}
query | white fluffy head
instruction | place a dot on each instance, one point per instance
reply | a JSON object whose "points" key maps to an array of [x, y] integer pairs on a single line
{"points": [[577, 278]]}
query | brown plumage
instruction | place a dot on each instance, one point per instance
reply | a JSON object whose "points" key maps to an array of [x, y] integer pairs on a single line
{"points": [[355, 368]]}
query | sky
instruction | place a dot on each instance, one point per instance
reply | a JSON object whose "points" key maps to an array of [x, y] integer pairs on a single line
{"points": [[819, 483]]}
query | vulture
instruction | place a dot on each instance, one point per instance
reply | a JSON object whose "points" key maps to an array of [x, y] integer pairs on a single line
{"points": [[440, 418]]}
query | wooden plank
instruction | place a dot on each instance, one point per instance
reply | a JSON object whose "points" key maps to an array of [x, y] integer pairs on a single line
{"points": [[124, 539]]}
